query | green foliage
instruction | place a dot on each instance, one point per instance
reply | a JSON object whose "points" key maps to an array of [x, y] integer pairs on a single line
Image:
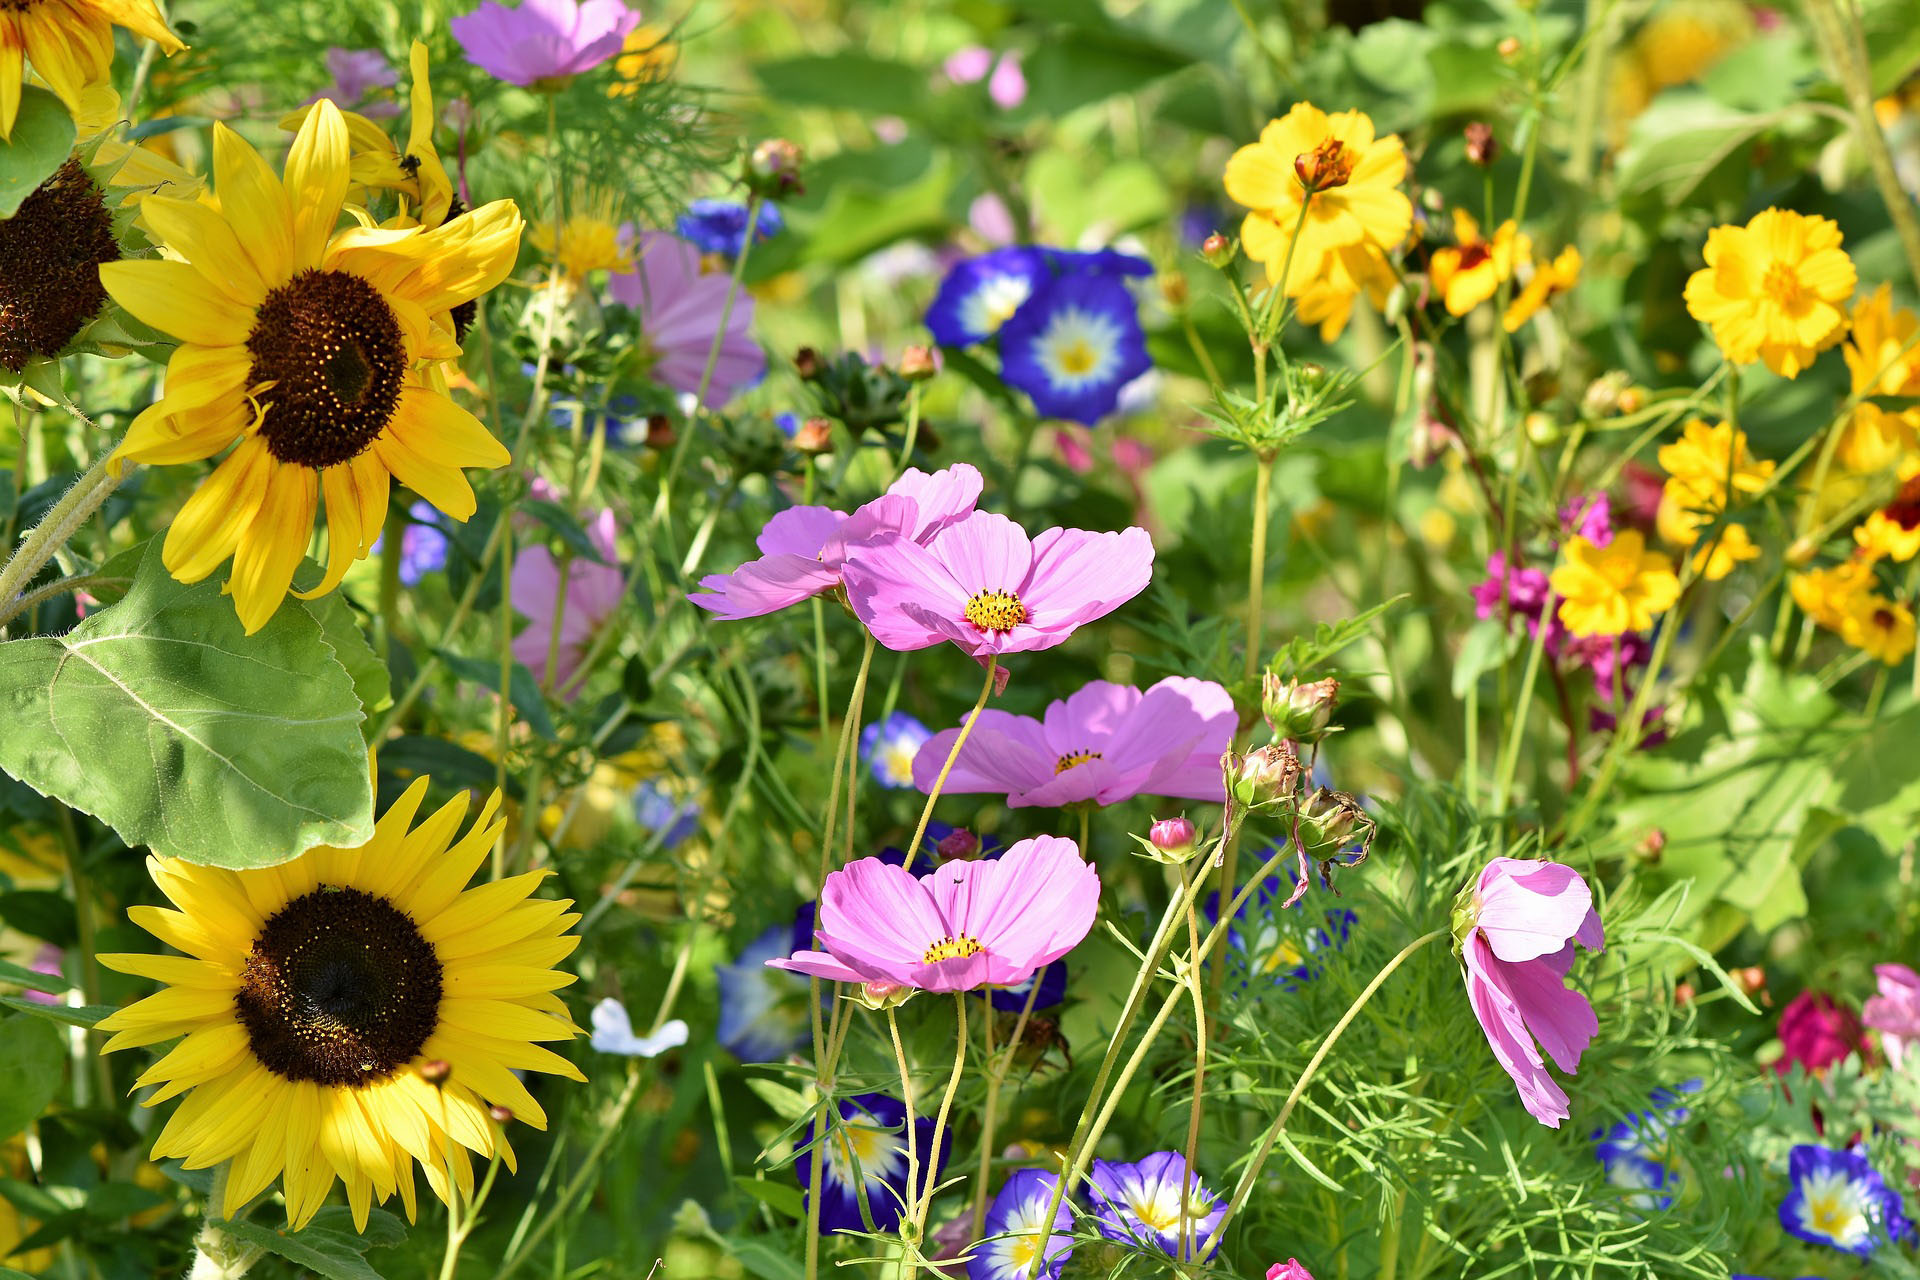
{"points": [[42, 136], [30, 1058]]}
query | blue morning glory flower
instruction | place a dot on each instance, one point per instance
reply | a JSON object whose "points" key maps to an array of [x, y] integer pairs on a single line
{"points": [[763, 1012], [1074, 345], [423, 544], [981, 294], [871, 1139], [1018, 1215], [889, 745], [1140, 1204], [1266, 942], [1097, 262], [655, 809], [720, 226], [1839, 1200], [1636, 1152], [1053, 990]]}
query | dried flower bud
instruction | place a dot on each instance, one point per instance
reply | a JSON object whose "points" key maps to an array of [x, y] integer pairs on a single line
{"points": [[807, 363], [660, 432], [500, 1114], [1327, 166], [1481, 148], [917, 364], [436, 1071], [958, 844], [1217, 250], [815, 435], [1263, 777], [773, 169], [1331, 820], [1509, 48], [1298, 711]]}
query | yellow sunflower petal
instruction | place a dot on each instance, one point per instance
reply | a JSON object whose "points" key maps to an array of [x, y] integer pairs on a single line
{"points": [[273, 546], [211, 522], [177, 299], [207, 241], [316, 181], [252, 199]]}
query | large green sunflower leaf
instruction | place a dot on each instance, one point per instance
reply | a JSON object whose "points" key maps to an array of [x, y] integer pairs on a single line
{"points": [[162, 718], [42, 137], [31, 1058]]}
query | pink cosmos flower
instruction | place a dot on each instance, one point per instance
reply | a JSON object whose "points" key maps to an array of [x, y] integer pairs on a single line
{"points": [[1008, 84], [1817, 1031], [804, 549], [969, 64], [1895, 1012], [1106, 743], [964, 925], [1288, 1270], [984, 585], [680, 309], [1523, 920], [357, 73], [543, 39], [591, 596]]}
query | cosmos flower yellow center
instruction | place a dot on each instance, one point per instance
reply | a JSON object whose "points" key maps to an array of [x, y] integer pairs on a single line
{"points": [[996, 611], [1073, 760], [951, 948], [333, 351], [1782, 284], [340, 989], [1328, 165], [50, 255]]}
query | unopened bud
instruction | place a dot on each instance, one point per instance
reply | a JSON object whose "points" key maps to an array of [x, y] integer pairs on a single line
{"points": [[1683, 993], [884, 995], [1172, 836], [917, 364], [1330, 821], [1602, 398], [1481, 148], [500, 1114], [1432, 200], [959, 844], [1508, 48], [1542, 429], [1752, 979], [660, 432], [1173, 289], [436, 1071], [1652, 846], [1801, 551], [815, 435], [1398, 299], [807, 363], [1298, 711], [1632, 400], [773, 169], [1217, 250], [1262, 777], [1327, 166]]}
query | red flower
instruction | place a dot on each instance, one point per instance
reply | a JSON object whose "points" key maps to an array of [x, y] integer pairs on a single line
{"points": [[1817, 1032]]}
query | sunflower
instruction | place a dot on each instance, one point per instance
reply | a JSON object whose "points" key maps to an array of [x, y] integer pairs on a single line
{"points": [[414, 171], [316, 350], [351, 1012], [70, 43]]}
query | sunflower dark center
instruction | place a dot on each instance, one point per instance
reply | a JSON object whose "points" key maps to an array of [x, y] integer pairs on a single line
{"points": [[333, 350], [50, 255], [341, 989]]}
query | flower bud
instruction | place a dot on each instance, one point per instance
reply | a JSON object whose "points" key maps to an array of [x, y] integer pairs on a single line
{"points": [[1327, 166], [1651, 846], [660, 432], [500, 1114], [1632, 400], [958, 844], [1602, 397], [1217, 250], [1288, 1270], [1331, 820], [1801, 551], [1298, 711], [1481, 148], [1398, 299], [1683, 993], [884, 995], [917, 364], [1173, 837], [807, 363], [1263, 777], [1509, 48], [436, 1071], [773, 169], [1542, 429], [815, 435]]}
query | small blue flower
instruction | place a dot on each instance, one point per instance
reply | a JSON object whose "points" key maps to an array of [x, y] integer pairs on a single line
{"points": [[981, 294], [423, 544], [889, 745], [787, 423], [720, 226], [1140, 1204], [1074, 346], [1053, 990], [1637, 1152], [1018, 1216], [655, 809], [1265, 942], [1839, 1200], [763, 1012], [870, 1139]]}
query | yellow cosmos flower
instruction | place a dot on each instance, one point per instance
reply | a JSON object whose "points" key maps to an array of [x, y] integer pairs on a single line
{"points": [[1681, 41], [350, 1013], [590, 240], [1879, 627], [1881, 354], [69, 43], [1893, 532], [1828, 596], [1874, 440], [1707, 462], [1353, 203], [1774, 290], [414, 171], [1619, 587], [1733, 546], [315, 350], [1469, 273], [1548, 279], [647, 56], [1328, 301]]}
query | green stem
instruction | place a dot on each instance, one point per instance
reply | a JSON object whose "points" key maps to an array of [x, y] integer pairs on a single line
{"points": [[456, 621], [52, 591], [940, 1121], [59, 524], [908, 1136], [1843, 43], [959, 741], [588, 1166], [997, 1070], [1257, 555], [1185, 1242], [393, 538], [913, 431]]}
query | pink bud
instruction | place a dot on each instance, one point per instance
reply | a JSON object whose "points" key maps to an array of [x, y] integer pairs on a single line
{"points": [[1172, 835], [958, 843], [1288, 1270], [1008, 87]]}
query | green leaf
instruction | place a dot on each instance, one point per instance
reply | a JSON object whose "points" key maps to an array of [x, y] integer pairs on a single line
{"points": [[162, 718], [323, 1252], [855, 81], [522, 690], [1681, 139], [32, 980], [1488, 644], [777, 1196], [341, 632], [42, 137], [1091, 67], [1303, 654], [31, 1058], [72, 1015]]}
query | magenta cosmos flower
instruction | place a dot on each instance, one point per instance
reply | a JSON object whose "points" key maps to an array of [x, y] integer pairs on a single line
{"points": [[590, 597], [804, 549], [1895, 1012], [543, 39], [968, 924], [680, 310], [1521, 922], [984, 585], [1106, 743]]}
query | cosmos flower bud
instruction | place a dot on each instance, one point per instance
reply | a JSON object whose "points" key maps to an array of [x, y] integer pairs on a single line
{"points": [[1217, 250], [436, 1071], [959, 843], [1298, 711], [1651, 846], [500, 1114], [1542, 429], [1509, 48], [1172, 840], [815, 435], [1288, 1270], [1481, 148], [1331, 820], [1263, 777], [1683, 993], [881, 995], [1632, 400], [1327, 166], [773, 169], [807, 363], [917, 364]]}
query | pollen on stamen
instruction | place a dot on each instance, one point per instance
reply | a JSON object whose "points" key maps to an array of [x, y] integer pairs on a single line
{"points": [[1073, 760], [954, 948], [998, 611]]}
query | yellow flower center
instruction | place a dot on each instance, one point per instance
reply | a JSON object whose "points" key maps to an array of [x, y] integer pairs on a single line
{"points": [[999, 611], [951, 948], [1830, 1215], [1073, 760], [1077, 357], [1328, 165], [1782, 284]]}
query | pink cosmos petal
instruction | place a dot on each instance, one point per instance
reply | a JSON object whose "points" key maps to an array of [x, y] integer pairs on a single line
{"points": [[1093, 780], [1079, 575], [968, 64], [680, 309], [1169, 724], [960, 973], [1559, 1017], [892, 579], [763, 586], [1895, 1011], [799, 531], [822, 965], [1027, 908], [1529, 909], [942, 498], [1090, 714], [543, 39], [1506, 1032], [1004, 754], [875, 914], [986, 552]]}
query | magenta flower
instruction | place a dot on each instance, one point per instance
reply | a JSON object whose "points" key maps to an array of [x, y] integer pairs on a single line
{"points": [[1522, 920], [1895, 1012], [680, 308], [965, 925], [1588, 516], [804, 549], [1525, 590], [1817, 1031], [1106, 743], [984, 585], [590, 597], [1288, 1270], [543, 39]]}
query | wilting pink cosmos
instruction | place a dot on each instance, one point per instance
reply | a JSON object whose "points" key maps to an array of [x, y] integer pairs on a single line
{"points": [[984, 585], [964, 925], [680, 308], [591, 596], [1895, 1012], [1816, 1032], [1106, 743], [1523, 919], [543, 39], [804, 549]]}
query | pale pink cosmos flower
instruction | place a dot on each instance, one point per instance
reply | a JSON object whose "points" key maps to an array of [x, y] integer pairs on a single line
{"points": [[968, 64], [984, 585], [1106, 743], [591, 596], [964, 925], [543, 39], [1523, 919], [1895, 1012], [356, 74], [680, 309], [1008, 84], [804, 549]]}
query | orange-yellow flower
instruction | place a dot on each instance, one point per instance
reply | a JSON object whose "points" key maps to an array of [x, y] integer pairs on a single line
{"points": [[1469, 273], [69, 43], [1548, 279], [1354, 203], [1619, 587], [1879, 627], [1881, 353], [1893, 532], [1874, 440], [1732, 546], [1328, 302], [647, 56], [1828, 596], [1774, 290]]}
